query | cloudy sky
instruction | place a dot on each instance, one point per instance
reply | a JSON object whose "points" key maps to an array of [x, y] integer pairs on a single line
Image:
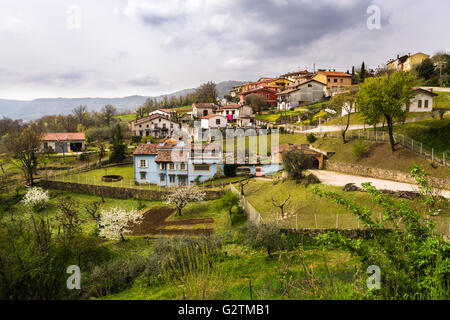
{"points": [[112, 48]]}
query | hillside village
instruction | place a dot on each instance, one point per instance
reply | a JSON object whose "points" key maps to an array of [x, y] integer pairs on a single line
{"points": [[241, 180]]}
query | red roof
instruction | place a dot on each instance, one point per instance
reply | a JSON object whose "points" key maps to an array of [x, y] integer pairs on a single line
{"points": [[63, 136], [146, 149], [167, 110], [335, 74]]}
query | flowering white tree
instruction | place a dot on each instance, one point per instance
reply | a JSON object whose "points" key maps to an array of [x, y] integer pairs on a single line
{"points": [[114, 222], [181, 196], [36, 198]]}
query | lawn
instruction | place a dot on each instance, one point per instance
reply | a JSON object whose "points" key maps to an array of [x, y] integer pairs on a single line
{"points": [[443, 99], [434, 133], [126, 117], [268, 117], [307, 210], [356, 118], [247, 274], [380, 156]]}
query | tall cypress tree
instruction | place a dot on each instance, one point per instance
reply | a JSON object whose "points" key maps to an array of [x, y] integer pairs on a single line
{"points": [[363, 72], [118, 147]]}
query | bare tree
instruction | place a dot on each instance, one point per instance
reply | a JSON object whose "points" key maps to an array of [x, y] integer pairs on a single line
{"points": [[242, 185], [80, 113], [281, 205], [108, 112], [23, 147]]}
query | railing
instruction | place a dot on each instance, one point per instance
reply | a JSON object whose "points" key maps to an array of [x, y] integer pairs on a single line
{"points": [[252, 214], [373, 135]]}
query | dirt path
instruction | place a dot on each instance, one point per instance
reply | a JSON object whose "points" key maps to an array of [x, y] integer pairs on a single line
{"points": [[341, 179], [155, 223]]}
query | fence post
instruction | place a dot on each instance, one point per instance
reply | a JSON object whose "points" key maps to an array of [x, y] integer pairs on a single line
{"points": [[421, 148], [412, 145], [315, 219]]}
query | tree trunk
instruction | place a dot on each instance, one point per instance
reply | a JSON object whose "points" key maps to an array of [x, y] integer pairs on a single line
{"points": [[30, 175], [391, 132], [179, 212], [346, 128], [269, 253]]}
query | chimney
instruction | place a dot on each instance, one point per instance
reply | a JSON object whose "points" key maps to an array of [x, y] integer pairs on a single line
{"points": [[409, 54], [398, 56]]}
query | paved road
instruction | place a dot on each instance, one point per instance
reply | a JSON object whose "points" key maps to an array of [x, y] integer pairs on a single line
{"points": [[341, 179], [437, 89]]}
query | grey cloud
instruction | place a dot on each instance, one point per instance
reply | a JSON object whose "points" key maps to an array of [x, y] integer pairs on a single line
{"points": [[143, 81]]}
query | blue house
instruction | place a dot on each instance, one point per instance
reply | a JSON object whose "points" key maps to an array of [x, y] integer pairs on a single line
{"points": [[172, 163]]}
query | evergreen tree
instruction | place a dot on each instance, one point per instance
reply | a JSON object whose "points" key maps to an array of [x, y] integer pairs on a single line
{"points": [[118, 147], [363, 72]]}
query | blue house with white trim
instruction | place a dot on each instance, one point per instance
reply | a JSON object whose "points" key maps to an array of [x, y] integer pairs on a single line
{"points": [[172, 163]]}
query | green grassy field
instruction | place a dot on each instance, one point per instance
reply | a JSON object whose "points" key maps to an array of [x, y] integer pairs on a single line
{"points": [[443, 99], [434, 133], [356, 118], [246, 274], [127, 117], [306, 210]]}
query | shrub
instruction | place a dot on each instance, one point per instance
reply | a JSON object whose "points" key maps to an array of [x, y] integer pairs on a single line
{"points": [[311, 138], [360, 149], [36, 198], [267, 236]]}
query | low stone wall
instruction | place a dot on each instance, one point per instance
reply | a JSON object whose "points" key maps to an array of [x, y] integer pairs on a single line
{"points": [[115, 192], [355, 169]]}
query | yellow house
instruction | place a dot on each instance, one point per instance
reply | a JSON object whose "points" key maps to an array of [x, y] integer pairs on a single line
{"points": [[406, 63], [414, 60]]}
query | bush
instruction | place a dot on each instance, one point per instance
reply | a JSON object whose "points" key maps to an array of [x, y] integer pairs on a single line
{"points": [[267, 236], [360, 149], [311, 138]]}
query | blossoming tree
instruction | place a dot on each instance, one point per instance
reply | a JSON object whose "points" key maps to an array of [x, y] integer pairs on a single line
{"points": [[181, 196], [114, 222], [36, 198]]}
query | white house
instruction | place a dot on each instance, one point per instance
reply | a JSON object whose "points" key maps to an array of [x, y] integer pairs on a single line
{"points": [[235, 111], [214, 121], [63, 142], [163, 112], [156, 125], [422, 101], [310, 91]]}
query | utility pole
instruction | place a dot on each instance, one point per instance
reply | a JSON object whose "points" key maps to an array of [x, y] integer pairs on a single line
{"points": [[314, 67]]}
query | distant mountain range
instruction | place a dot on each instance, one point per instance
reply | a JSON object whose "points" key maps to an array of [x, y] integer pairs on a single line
{"points": [[34, 109]]}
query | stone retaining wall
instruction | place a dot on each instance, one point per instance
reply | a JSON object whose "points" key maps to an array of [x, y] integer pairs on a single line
{"points": [[394, 175], [115, 192]]}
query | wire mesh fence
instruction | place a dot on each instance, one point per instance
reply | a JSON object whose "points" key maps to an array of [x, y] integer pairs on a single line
{"points": [[440, 158]]}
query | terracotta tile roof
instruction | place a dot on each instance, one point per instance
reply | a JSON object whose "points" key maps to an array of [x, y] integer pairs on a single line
{"points": [[148, 118], [425, 91], [146, 149], [335, 74], [172, 155], [204, 105], [260, 89], [61, 136]]}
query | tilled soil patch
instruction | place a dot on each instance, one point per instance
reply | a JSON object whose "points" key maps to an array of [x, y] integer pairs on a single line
{"points": [[154, 223]]}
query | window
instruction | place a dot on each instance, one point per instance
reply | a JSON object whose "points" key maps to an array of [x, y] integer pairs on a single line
{"points": [[143, 175], [218, 121], [201, 167], [163, 166], [342, 80], [162, 178], [335, 80], [182, 180], [143, 164], [419, 104], [267, 96], [172, 166], [171, 125], [182, 166], [309, 85], [329, 80], [426, 104], [205, 113], [172, 179]]}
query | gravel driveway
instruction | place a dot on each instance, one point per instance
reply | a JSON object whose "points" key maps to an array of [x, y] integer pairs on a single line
{"points": [[341, 179]]}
